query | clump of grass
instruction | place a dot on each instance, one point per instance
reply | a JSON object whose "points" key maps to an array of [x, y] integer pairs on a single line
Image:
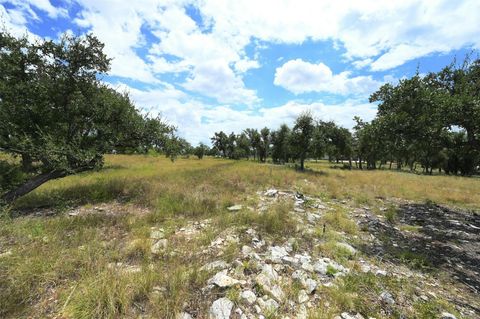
{"points": [[331, 271], [414, 260], [354, 293], [138, 250], [410, 228], [433, 308], [391, 214], [276, 222], [230, 252], [109, 294], [233, 294], [182, 284], [338, 220], [331, 249]]}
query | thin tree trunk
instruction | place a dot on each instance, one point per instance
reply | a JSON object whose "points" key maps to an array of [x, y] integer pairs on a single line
{"points": [[26, 163], [31, 184], [38, 180]]}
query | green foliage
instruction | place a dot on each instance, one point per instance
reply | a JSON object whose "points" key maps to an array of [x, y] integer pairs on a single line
{"points": [[433, 120], [11, 175], [200, 150], [280, 147], [414, 260], [331, 271], [56, 114], [300, 139]]}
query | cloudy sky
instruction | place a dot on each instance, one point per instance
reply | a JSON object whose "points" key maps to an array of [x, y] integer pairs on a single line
{"points": [[228, 64]]}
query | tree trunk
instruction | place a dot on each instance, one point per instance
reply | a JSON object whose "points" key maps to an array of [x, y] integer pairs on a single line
{"points": [[31, 184], [302, 160], [26, 163]]}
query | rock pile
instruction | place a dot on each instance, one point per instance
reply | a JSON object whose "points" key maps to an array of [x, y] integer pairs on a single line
{"points": [[265, 274]]}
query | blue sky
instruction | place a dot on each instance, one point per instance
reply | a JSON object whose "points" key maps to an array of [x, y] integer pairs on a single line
{"points": [[227, 65]]}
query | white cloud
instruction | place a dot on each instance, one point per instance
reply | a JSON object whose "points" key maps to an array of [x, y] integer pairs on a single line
{"points": [[299, 76], [244, 65], [359, 64], [366, 29], [26, 8], [216, 79], [403, 53], [118, 25]]}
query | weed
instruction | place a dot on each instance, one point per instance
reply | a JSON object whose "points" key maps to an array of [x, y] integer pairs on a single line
{"points": [[391, 214], [331, 271]]}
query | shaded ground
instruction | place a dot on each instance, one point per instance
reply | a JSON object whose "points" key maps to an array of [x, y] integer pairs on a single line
{"points": [[433, 238]]}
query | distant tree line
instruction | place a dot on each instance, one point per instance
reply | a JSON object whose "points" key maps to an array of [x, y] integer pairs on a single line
{"points": [[432, 121], [308, 138]]}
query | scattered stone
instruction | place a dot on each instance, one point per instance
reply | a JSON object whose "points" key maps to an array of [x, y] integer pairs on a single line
{"points": [[6, 254], [447, 315], [347, 247], [310, 285], [156, 233], [269, 306], [302, 296], [247, 251], [277, 253], [298, 209], [320, 267], [184, 315], [217, 264], [346, 315], [292, 261], [302, 312], [365, 268], [312, 218], [271, 192], [267, 281], [235, 208], [381, 272], [307, 267], [159, 290], [300, 275], [387, 298], [221, 309], [159, 246], [222, 280], [249, 296]]}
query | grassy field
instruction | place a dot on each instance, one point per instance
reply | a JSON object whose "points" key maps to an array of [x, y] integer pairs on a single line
{"points": [[150, 181], [64, 265]]}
